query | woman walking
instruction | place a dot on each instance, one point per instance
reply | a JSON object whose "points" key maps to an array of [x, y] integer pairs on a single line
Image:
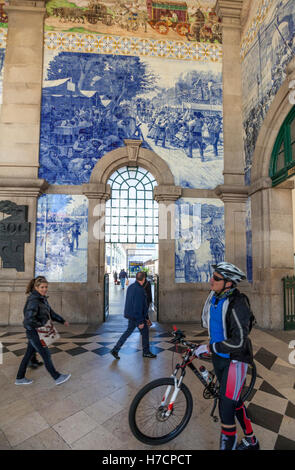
{"points": [[37, 312]]}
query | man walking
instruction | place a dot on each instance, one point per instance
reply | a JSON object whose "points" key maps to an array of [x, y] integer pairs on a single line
{"points": [[136, 310], [123, 276]]}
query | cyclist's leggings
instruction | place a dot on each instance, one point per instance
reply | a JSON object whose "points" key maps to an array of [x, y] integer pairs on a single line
{"points": [[231, 376]]}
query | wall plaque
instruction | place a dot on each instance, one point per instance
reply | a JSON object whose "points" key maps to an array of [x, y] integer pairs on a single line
{"points": [[14, 233]]}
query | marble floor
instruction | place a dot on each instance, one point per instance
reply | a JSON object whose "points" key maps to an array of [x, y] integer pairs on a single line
{"points": [[90, 411]]}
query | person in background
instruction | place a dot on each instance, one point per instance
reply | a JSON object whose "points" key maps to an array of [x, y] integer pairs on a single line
{"points": [[148, 290], [37, 312], [136, 311], [115, 276], [123, 276], [228, 317]]}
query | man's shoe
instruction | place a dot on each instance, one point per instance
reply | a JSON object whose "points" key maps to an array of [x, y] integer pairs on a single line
{"points": [[115, 354], [23, 381], [248, 444], [149, 355], [62, 378]]}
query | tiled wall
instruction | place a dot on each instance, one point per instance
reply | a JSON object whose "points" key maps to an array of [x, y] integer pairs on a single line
{"points": [[62, 237], [199, 238], [267, 48], [103, 85]]}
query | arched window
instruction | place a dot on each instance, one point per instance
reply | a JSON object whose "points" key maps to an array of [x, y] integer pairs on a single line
{"points": [[131, 213], [282, 165]]}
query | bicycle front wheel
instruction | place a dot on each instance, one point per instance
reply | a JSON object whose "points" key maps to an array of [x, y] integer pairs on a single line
{"points": [[148, 418]]}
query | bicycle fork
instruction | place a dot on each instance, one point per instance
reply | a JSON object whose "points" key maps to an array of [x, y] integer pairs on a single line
{"points": [[177, 386]]}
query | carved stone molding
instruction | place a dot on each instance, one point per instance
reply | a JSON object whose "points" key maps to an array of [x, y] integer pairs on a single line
{"points": [[167, 193], [97, 191], [230, 11], [14, 233], [232, 193], [19, 187], [132, 149]]}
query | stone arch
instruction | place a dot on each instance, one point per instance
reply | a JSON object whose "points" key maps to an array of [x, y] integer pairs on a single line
{"points": [[98, 192], [132, 155], [271, 216]]}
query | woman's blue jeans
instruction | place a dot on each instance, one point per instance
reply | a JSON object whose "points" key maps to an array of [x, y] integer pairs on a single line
{"points": [[34, 344]]}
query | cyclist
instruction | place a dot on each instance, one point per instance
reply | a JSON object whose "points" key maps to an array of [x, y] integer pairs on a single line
{"points": [[228, 317]]}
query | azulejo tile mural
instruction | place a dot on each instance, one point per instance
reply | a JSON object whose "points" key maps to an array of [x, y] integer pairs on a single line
{"points": [[191, 20], [264, 69], [92, 102], [199, 240], [62, 237]]}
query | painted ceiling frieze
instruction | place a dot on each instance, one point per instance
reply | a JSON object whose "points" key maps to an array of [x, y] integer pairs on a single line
{"points": [[191, 20]]}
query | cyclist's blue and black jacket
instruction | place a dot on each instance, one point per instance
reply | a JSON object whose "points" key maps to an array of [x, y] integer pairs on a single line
{"points": [[228, 319]]}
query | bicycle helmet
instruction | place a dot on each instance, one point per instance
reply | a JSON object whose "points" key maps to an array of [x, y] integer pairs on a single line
{"points": [[229, 271]]}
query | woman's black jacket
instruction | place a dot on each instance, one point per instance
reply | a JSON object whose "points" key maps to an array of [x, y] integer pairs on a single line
{"points": [[37, 311]]}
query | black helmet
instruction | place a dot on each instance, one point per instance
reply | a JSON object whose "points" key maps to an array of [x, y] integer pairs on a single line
{"points": [[229, 271]]}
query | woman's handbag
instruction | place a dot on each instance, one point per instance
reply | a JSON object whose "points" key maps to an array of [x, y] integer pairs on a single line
{"points": [[127, 282], [48, 334]]}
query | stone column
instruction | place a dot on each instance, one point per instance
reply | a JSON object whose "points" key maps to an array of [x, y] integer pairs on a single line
{"points": [[97, 194], [166, 196], [233, 192], [272, 244], [19, 137], [22, 85]]}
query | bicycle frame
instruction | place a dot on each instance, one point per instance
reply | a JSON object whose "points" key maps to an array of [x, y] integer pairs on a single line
{"points": [[211, 388]]}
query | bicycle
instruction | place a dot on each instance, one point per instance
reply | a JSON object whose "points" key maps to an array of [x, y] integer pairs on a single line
{"points": [[162, 408]]}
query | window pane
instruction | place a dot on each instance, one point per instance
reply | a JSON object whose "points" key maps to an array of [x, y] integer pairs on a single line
{"points": [[123, 212], [131, 238], [140, 212], [140, 230], [140, 194], [132, 193], [149, 195], [132, 203], [131, 230], [140, 221], [132, 182], [292, 131], [124, 194], [132, 212], [140, 238], [280, 161], [131, 221], [140, 203]]}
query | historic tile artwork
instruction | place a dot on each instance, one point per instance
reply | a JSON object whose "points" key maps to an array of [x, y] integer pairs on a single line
{"points": [[177, 20], [62, 237], [199, 238], [92, 102], [264, 68]]}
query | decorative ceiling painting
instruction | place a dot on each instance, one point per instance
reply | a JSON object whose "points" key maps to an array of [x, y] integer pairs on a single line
{"points": [[174, 20]]}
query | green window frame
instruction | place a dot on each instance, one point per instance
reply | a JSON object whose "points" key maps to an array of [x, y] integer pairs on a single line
{"points": [[132, 214], [282, 164]]}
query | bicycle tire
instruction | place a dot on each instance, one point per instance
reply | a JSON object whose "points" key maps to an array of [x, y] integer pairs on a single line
{"points": [[134, 421], [246, 394]]}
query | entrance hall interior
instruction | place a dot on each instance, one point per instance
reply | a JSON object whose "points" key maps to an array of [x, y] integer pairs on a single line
{"points": [[132, 258]]}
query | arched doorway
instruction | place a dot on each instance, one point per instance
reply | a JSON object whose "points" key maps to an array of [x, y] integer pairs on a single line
{"points": [[131, 231], [272, 213], [98, 192]]}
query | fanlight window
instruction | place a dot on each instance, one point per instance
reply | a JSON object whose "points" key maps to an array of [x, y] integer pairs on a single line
{"points": [[131, 213]]}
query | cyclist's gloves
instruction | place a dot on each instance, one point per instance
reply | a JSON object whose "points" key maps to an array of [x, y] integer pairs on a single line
{"points": [[202, 350]]}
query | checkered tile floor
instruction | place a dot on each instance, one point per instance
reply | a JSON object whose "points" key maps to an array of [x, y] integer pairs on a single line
{"points": [[271, 405]]}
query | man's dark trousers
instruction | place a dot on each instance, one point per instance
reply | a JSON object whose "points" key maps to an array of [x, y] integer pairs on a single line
{"points": [[144, 336]]}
